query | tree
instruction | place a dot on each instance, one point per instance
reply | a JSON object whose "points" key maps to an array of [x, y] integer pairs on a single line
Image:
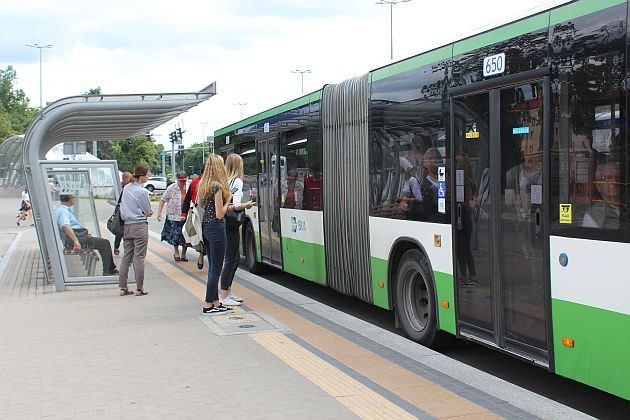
{"points": [[15, 112], [139, 149], [194, 157]]}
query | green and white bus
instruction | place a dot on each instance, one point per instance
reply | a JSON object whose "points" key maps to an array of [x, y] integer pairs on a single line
{"points": [[479, 190]]}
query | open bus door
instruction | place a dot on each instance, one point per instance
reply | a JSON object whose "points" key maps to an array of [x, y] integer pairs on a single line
{"points": [[500, 136]]}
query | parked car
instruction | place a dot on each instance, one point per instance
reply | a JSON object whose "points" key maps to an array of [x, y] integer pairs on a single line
{"points": [[155, 183]]}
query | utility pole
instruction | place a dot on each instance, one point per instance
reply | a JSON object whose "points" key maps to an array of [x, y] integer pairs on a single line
{"points": [[301, 72], [40, 47], [391, 3], [242, 105]]}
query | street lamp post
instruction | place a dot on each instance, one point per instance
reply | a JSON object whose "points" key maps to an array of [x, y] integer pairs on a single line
{"points": [[40, 47], [302, 75], [391, 22], [242, 105]]}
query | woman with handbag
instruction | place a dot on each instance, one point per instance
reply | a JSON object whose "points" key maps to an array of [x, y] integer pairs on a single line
{"points": [[135, 207], [233, 218], [173, 197], [215, 198]]}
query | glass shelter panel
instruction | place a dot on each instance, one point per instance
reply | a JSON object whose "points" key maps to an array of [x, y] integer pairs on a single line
{"points": [[81, 198]]}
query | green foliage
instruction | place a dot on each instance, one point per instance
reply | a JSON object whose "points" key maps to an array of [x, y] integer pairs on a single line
{"points": [[15, 113], [139, 149], [194, 157]]}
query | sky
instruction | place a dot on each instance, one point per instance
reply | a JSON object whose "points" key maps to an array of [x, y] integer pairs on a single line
{"points": [[248, 47]]}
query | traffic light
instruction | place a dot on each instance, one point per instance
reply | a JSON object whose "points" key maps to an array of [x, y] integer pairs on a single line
{"points": [[179, 133], [173, 136]]}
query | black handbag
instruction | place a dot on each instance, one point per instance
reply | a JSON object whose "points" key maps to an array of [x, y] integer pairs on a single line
{"points": [[234, 218], [115, 224]]}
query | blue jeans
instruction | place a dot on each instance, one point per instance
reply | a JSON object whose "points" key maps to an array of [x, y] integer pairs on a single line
{"points": [[214, 239]]}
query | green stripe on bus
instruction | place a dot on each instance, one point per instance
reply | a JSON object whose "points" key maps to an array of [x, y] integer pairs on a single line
{"points": [[305, 260], [503, 33], [380, 295], [296, 103], [445, 293], [602, 339], [429, 57], [582, 8]]}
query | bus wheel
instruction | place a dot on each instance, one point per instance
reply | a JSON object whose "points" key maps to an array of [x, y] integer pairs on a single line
{"points": [[415, 298], [250, 251]]}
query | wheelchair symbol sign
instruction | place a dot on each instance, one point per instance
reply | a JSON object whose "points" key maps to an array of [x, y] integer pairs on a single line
{"points": [[441, 189]]}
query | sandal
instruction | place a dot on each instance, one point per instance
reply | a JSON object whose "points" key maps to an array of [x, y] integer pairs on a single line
{"points": [[141, 293], [200, 262], [184, 259], [176, 258], [125, 292]]}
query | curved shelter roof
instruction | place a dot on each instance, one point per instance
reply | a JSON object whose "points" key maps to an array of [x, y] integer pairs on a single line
{"points": [[91, 117], [11, 170]]}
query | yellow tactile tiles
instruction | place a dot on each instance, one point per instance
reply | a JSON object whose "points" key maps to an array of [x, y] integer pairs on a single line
{"points": [[349, 392], [424, 394]]}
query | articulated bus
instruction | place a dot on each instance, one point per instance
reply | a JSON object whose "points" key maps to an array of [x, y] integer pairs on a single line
{"points": [[479, 190]]}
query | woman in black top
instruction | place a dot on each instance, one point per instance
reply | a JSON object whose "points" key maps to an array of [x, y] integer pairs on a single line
{"points": [[214, 196]]}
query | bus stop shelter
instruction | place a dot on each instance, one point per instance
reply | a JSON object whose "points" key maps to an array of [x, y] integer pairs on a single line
{"points": [[87, 118]]}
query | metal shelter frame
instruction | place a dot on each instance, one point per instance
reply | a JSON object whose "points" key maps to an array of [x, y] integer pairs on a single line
{"points": [[89, 117]]}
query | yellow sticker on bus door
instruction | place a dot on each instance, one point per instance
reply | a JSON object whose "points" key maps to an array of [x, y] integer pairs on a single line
{"points": [[565, 213]]}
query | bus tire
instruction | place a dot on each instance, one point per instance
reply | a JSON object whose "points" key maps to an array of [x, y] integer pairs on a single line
{"points": [[250, 250], [416, 299]]}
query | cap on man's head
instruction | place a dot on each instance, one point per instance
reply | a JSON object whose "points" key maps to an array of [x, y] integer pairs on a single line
{"points": [[182, 176], [65, 197]]}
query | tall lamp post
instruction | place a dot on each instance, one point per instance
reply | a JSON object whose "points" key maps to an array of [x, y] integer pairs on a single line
{"points": [[391, 22], [40, 47], [242, 105], [302, 75]]}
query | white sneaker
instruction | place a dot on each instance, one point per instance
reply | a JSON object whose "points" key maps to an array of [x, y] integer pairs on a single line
{"points": [[235, 297], [230, 302]]}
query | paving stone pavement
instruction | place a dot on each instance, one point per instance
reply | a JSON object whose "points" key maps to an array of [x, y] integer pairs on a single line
{"points": [[90, 353]]}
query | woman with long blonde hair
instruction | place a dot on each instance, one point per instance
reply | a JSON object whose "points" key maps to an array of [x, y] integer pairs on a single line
{"points": [[234, 169], [213, 195]]}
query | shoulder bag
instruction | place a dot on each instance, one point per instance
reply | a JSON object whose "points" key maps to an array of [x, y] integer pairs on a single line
{"points": [[192, 229], [115, 224], [233, 218]]}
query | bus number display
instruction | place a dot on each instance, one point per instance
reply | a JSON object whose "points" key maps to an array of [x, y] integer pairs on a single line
{"points": [[495, 64]]}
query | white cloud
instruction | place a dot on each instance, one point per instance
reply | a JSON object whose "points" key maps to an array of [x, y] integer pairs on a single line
{"points": [[248, 47]]}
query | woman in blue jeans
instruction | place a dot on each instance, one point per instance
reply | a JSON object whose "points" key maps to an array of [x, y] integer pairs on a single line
{"points": [[214, 196]]}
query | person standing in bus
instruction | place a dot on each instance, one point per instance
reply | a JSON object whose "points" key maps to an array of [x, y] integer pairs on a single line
{"points": [[429, 185], [605, 213], [234, 169], [411, 200], [467, 272], [214, 196]]}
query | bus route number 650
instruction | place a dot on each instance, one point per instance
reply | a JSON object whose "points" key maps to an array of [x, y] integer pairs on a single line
{"points": [[495, 64]]}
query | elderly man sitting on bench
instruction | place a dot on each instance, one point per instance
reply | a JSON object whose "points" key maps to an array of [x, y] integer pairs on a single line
{"points": [[79, 237]]}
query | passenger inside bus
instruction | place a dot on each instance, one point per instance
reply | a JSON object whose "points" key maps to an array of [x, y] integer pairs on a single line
{"points": [[604, 211], [293, 186], [313, 189], [411, 200]]}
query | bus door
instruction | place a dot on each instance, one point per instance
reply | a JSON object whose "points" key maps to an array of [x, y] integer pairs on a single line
{"points": [[268, 202], [499, 202]]}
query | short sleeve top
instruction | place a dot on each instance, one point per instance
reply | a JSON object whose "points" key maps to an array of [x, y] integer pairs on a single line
{"points": [[209, 210]]}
